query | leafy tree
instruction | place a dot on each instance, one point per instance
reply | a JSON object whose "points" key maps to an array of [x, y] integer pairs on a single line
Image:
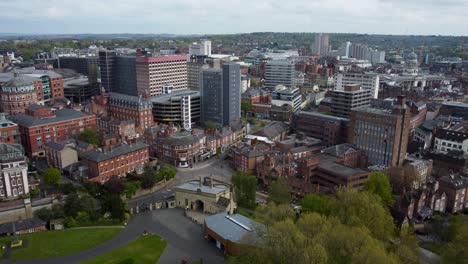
{"points": [[279, 192], [89, 136], [316, 203], [45, 214], [168, 172], [378, 184], [115, 206], [94, 189], [74, 203], [34, 192], [52, 176], [67, 188], [131, 187], [271, 213], [363, 209], [456, 251], [245, 107], [245, 187], [148, 179], [114, 185]]}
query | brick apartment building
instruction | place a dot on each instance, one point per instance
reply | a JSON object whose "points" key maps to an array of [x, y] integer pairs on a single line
{"points": [[9, 132], [13, 171], [135, 108], [152, 73], [41, 125], [456, 188], [115, 160]]}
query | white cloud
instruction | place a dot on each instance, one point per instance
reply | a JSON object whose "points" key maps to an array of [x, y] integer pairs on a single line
{"points": [[232, 16]]}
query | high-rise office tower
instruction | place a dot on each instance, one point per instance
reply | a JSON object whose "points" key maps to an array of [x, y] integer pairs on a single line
{"points": [[321, 44], [381, 133], [152, 73], [344, 50], [106, 64], [200, 49], [279, 72], [125, 75], [353, 96], [368, 81], [194, 67], [221, 95]]}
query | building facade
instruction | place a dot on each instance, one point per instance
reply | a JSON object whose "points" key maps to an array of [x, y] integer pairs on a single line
{"points": [[152, 73], [19, 93], [279, 72], [381, 133], [9, 131], [13, 171], [118, 160], [41, 125], [221, 95], [368, 81], [181, 107], [136, 108], [331, 130], [353, 96], [125, 75], [58, 155], [283, 95], [106, 66]]}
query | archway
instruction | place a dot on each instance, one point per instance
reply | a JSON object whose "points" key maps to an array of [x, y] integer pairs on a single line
{"points": [[199, 205]]}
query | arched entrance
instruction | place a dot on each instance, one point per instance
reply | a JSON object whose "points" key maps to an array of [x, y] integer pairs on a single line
{"points": [[199, 206]]}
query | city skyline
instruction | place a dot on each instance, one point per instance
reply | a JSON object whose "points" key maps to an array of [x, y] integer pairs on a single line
{"points": [[211, 17]]}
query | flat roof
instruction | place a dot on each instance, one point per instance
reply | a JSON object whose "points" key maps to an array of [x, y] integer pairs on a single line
{"points": [[236, 228], [195, 186], [162, 98]]}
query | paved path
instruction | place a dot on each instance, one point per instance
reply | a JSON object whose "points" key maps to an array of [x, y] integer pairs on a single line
{"points": [[184, 237]]}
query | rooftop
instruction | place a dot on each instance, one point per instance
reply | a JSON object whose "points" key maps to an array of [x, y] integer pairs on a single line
{"points": [[117, 150], [20, 81], [181, 138], [174, 96], [21, 225], [236, 228], [195, 186], [61, 115]]}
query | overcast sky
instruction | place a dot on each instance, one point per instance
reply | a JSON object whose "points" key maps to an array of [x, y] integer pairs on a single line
{"points": [[444, 17]]}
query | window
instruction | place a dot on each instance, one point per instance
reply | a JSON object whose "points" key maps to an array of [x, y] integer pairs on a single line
{"points": [[15, 192], [20, 190], [19, 182], [2, 192]]}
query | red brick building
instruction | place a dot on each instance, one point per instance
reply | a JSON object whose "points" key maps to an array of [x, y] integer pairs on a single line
{"points": [[9, 132], [115, 160], [136, 108], [41, 125], [19, 93], [456, 188]]}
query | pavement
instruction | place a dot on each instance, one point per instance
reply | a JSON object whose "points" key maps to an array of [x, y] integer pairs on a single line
{"points": [[184, 237]]}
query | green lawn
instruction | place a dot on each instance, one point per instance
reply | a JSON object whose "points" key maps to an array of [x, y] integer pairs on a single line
{"points": [[145, 249], [60, 243]]}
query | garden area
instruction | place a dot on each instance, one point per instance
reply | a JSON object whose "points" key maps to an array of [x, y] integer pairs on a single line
{"points": [[60, 243], [145, 249]]}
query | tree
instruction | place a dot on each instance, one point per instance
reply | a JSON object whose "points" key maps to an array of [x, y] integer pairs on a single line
{"points": [[130, 188], [90, 136], [316, 203], [246, 107], [148, 179], [272, 213], [52, 176], [363, 209], [114, 185], [72, 205], [116, 207], [456, 251], [167, 172], [34, 193], [279, 192], [245, 187], [210, 125], [378, 184]]}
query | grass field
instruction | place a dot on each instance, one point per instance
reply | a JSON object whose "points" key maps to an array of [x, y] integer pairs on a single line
{"points": [[145, 249], [60, 243]]}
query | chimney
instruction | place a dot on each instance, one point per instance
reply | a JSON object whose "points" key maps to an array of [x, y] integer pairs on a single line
{"points": [[401, 100]]}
